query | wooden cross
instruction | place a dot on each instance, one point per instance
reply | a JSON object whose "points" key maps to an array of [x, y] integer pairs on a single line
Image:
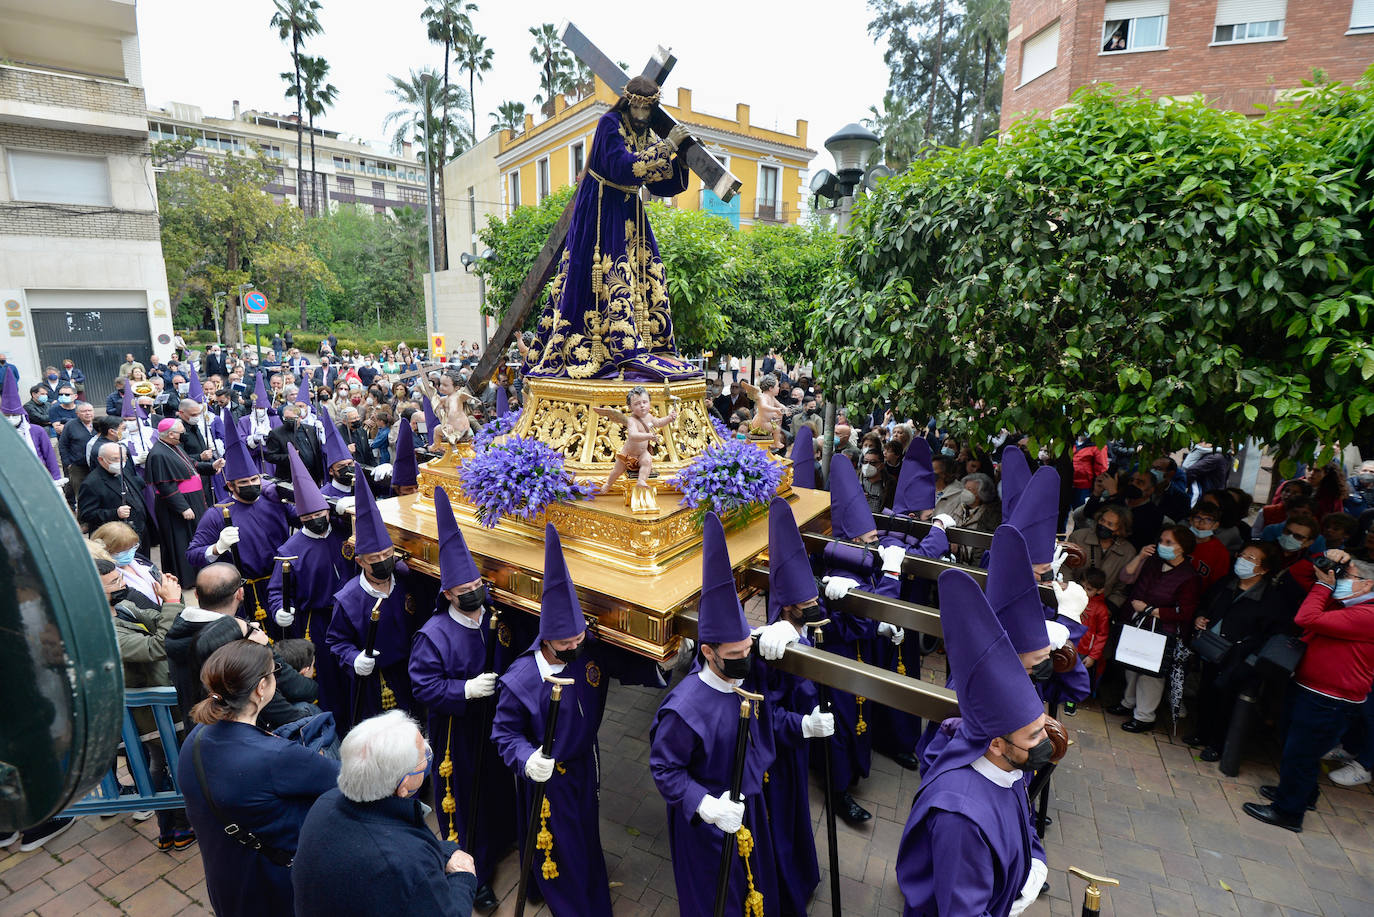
{"points": [[714, 176]]}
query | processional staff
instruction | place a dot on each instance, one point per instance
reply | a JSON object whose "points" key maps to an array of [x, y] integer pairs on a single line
{"points": [[727, 849], [368, 646], [536, 809], [827, 706], [488, 714]]}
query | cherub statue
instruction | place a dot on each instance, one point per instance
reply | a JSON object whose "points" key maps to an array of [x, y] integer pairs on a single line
{"points": [[768, 411], [450, 406], [639, 434]]}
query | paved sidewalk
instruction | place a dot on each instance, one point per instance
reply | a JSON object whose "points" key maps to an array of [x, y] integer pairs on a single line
{"points": [[1137, 807]]}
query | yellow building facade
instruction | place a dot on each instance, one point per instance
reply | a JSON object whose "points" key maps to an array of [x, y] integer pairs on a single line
{"points": [[771, 165]]}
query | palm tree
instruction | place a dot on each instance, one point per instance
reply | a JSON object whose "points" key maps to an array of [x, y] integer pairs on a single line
{"points": [[508, 116], [425, 99], [554, 61], [447, 23], [295, 21], [474, 56], [319, 95], [986, 23]]}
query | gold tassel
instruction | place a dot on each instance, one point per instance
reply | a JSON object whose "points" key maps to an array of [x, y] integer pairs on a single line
{"points": [[544, 841], [901, 662], [449, 804], [388, 696], [860, 727], [307, 625], [753, 900]]}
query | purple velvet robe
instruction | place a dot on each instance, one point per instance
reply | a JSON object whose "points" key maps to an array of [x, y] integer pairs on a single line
{"points": [[320, 571], [849, 636], [263, 526], [581, 887], [347, 637], [443, 656], [691, 756], [627, 326], [42, 444]]}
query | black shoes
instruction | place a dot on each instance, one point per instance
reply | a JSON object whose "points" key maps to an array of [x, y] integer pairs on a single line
{"points": [[1210, 753], [1271, 816], [1271, 792], [39, 835], [851, 811], [905, 760], [485, 900], [1135, 725], [1193, 740], [1118, 710]]}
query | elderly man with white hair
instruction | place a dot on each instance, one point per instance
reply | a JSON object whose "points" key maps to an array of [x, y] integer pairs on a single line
{"points": [[365, 848]]}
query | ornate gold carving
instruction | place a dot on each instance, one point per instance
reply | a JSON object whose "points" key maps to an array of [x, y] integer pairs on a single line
{"points": [[642, 499]]}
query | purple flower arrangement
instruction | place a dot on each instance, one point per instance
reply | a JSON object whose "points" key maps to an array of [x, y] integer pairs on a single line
{"points": [[496, 427], [519, 477], [728, 476], [722, 430]]}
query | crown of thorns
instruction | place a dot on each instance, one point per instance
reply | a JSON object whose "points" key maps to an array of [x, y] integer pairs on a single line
{"points": [[635, 98]]}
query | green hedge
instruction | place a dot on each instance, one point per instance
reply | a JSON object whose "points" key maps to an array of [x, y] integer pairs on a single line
{"points": [[309, 342]]}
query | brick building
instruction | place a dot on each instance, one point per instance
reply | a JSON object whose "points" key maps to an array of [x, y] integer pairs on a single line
{"points": [[1236, 53]]}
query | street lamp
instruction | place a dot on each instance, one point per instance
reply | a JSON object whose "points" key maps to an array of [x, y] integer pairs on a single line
{"points": [[241, 288], [468, 259], [429, 212], [215, 310]]}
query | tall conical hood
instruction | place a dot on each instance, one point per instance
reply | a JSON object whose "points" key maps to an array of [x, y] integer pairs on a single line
{"points": [[720, 617], [790, 580], [995, 694], [405, 471], [916, 482], [260, 396], [129, 408], [9, 396], [431, 421], [455, 563], [1037, 514], [308, 498], [560, 613], [1012, 591], [238, 461], [850, 516], [804, 458], [369, 532], [1016, 475], [502, 400], [335, 449], [195, 392]]}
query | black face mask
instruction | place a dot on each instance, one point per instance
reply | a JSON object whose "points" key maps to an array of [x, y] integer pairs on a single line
{"points": [[813, 614], [318, 526], [345, 478], [382, 569], [118, 595], [572, 655], [1104, 533], [734, 668], [249, 492], [1042, 670], [471, 601], [289, 424], [1131, 492], [1037, 756]]}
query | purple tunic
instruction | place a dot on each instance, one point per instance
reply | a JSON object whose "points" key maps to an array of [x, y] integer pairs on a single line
{"points": [[691, 755], [849, 636], [42, 444], [347, 637], [1075, 684], [320, 570], [262, 527], [443, 656]]}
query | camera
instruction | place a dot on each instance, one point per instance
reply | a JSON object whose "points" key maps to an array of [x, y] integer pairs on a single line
{"points": [[1327, 565]]}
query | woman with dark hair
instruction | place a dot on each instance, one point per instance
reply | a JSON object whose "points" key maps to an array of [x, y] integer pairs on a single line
{"points": [[295, 694], [1245, 609], [260, 784]]}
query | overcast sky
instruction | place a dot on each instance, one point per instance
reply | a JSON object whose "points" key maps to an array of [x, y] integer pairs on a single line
{"points": [[787, 60]]}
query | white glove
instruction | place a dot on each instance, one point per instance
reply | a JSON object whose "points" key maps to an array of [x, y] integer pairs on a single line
{"points": [[344, 505], [483, 685], [1060, 555], [228, 537], [773, 639], [219, 447], [892, 556], [254, 440], [60, 482], [1058, 634], [891, 632], [722, 811], [381, 471], [1072, 601], [818, 725], [1031, 890], [837, 587], [539, 767], [944, 520], [284, 618], [364, 665], [140, 458]]}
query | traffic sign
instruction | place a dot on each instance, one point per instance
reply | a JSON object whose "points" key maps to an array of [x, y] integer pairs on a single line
{"points": [[255, 302], [436, 346], [255, 319]]}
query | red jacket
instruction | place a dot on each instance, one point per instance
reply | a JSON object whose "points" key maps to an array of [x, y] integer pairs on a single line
{"points": [[1339, 661], [1088, 463], [1097, 618], [1211, 560]]}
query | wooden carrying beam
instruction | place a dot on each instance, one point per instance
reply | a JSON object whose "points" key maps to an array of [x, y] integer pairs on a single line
{"points": [[905, 525], [909, 616]]}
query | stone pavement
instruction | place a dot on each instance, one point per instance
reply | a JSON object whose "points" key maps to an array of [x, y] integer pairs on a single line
{"points": [[1140, 808]]}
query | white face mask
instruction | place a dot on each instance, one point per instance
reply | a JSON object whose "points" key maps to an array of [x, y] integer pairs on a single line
{"points": [[15, 419], [966, 498], [869, 470]]}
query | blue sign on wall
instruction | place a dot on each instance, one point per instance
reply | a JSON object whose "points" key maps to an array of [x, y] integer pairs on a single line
{"points": [[712, 204]]}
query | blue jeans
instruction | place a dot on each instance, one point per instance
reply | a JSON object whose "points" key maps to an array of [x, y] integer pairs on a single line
{"points": [[1315, 724]]}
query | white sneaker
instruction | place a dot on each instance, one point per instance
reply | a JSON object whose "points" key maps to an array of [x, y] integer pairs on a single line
{"points": [[143, 814], [9, 839], [1339, 755], [1353, 774]]}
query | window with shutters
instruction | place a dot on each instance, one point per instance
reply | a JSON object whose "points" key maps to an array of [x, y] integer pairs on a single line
{"points": [[577, 158], [1249, 20], [542, 174], [1134, 25], [56, 178], [1040, 53], [1362, 16]]}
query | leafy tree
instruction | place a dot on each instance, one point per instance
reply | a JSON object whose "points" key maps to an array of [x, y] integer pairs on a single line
{"points": [[555, 65], [695, 247], [509, 116], [475, 57], [516, 241], [295, 21], [378, 261], [775, 278], [286, 267], [1161, 273]]}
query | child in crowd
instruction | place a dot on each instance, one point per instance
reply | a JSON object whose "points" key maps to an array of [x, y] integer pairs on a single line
{"points": [[298, 653], [1097, 620]]}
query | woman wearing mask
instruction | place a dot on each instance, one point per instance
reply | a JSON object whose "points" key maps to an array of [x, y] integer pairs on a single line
{"points": [[260, 782], [1164, 597], [871, 477], [142, 578], [1108, 548]]}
